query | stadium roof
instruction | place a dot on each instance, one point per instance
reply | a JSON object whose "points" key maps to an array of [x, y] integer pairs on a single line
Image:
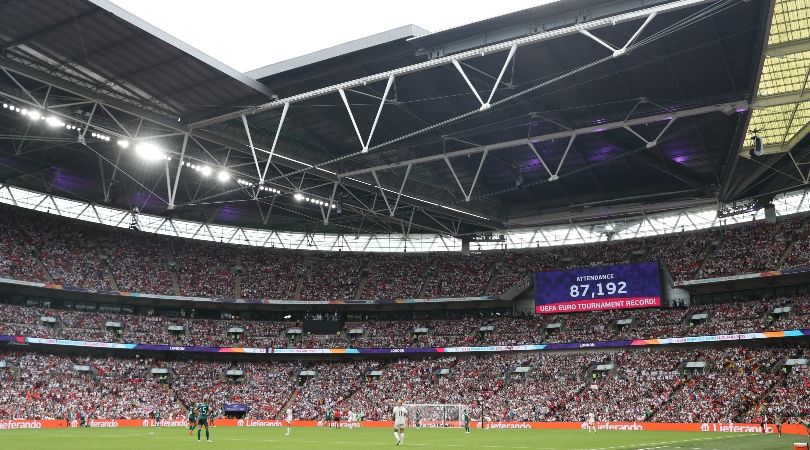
{"points": [[576, 110]]}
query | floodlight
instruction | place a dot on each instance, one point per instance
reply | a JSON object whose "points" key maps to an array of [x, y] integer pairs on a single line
{"points": [[149, 151], [54, 122]]}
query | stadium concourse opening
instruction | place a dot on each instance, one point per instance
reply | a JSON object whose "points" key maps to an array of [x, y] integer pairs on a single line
{"points": [[579, 225]]}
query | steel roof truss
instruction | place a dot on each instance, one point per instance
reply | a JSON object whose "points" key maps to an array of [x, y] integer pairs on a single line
{"points": [[365, 143], [620, 51]]}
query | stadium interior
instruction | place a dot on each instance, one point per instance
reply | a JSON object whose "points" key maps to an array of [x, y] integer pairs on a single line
{"points": [[397, 218]]}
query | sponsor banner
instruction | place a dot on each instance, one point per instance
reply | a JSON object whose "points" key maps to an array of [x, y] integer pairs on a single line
{"points": [[417, 350], [599, 305], [576, 345], [623, 286], [146, 347], [495, 348], [72, 343], [311, 351], [711, 427]]}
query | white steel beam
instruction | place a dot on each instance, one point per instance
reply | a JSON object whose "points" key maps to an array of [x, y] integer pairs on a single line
{"points": [[556, 175], [331, 202], [252, 149], [436, 62], [364, 143], [275, 141], [654, 142], [466, 194], [180, 161], [540, 158], [401, 187], [382, 192], [722, 107], [620, 51]]}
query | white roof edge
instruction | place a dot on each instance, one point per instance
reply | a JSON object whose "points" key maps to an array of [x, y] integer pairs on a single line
{"points": [[182, 46], [455, 27], [395, 34]]}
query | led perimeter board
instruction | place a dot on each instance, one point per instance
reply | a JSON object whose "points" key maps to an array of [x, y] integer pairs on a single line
{"points": [[625, 286]]}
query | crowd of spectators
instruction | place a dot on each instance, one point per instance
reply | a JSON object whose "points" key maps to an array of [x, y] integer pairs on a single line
{"points": [[791, 398], [67, 251], [396, 276], [92, 256], [799, 255], [270, 273], [205, 269], [455, 275], [733, 384], [744, 316], [15, 259], [137, 264], [736, 384], [332, 276], [749, 248]]}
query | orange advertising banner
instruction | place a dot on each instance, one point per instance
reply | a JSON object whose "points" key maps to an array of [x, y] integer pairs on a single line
{"points": [[20, 424]]}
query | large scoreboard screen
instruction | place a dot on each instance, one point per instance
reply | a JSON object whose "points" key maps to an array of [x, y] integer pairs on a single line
{"points": [[625, 286]]}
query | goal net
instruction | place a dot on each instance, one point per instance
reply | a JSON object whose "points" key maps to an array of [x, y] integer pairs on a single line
{"points": [[435, 415]]}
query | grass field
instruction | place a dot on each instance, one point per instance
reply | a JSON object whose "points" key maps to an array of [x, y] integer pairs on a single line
{"points": [[316, 438]]}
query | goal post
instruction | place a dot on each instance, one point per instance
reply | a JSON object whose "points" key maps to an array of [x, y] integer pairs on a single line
{"points": [[435, 415]]}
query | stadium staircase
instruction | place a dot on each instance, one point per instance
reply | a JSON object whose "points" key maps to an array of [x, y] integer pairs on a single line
{"points": [[358, 293], [493, 274], [103, 260], [763, 399], [522, 286], [794, 238], [175, 282], [38, 258], [299, 285], [426, 279], [654, 415], [32, 251], [716, 243], [237, 277], [288, 403]]}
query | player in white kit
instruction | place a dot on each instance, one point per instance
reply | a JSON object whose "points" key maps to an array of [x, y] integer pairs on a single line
{"points": [[400, 418], [591, 423], [289, 418]]}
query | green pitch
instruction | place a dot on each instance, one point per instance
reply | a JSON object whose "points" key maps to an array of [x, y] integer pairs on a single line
{"points": [[316, 438]]}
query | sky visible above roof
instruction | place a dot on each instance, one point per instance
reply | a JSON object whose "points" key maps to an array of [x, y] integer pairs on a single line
{"points": [[248, 34]]}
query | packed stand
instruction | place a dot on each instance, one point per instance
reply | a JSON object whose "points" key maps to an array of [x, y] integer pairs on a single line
{"points": [[737, 384], [138, 263], [332, 276], [68, 252], [733, 384], [460, 275], [749, 248], [204, 269], [16, 261], [395, 276], [270, 273]]}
